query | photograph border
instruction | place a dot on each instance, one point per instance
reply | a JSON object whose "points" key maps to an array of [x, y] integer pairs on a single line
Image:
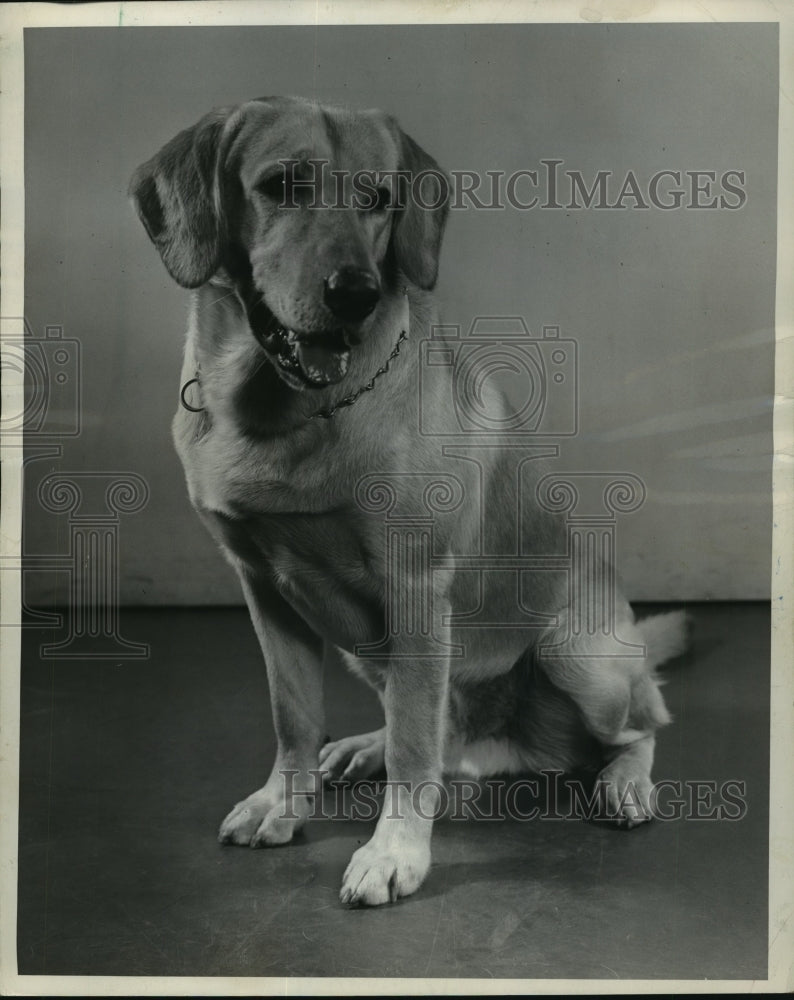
{"points": [[14, 18]]}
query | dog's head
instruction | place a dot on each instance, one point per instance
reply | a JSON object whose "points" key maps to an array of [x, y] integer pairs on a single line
{"points": [[316, 213]]}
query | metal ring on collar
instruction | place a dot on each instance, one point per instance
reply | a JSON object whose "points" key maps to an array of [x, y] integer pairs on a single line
{"points": [[184, 402]]}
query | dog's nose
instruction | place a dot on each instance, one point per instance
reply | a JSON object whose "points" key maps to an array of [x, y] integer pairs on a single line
{"points": [[351, 293]]}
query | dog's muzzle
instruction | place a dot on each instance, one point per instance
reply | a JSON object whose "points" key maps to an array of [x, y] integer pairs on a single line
{"points": [[351, 293], [314, 361]]}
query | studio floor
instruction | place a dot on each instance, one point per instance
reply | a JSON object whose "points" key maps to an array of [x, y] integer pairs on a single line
{"points": [[128, 767]]}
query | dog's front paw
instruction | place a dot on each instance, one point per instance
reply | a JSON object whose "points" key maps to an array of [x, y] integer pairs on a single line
{"points": [[628, 793], [262, 820], [376, 876]]}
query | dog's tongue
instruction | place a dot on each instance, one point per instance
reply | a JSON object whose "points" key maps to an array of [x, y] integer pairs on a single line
{"points": [[321, 364]]}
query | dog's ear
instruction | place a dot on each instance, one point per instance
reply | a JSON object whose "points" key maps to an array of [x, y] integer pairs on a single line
{"points": [[419, 225], [178, 197]]}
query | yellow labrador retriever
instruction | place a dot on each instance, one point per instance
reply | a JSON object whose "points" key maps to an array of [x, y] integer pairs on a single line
{"points": [[312, 258]]}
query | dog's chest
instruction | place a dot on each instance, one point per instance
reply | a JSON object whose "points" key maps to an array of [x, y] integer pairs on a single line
{"points": [[292, 520], [228, 475], [323, 564]]}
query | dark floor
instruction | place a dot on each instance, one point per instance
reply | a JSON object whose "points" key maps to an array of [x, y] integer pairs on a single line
{"points": [[127, 769]]}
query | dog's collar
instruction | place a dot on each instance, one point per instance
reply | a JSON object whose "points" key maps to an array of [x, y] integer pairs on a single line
{"points": [[182, 394], [328, 411]]}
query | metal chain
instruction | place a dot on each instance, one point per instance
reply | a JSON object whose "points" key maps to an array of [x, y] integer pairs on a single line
{"points": [[329, 411]]}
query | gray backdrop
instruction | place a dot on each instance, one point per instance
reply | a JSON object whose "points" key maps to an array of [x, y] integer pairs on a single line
{"points": [[673, 311]]}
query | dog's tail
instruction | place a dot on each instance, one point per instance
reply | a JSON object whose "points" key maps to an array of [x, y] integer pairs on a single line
{"points": [[666, 636]]}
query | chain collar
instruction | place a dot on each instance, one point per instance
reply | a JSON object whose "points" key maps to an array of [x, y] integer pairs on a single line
{"points": [[328, 411]]}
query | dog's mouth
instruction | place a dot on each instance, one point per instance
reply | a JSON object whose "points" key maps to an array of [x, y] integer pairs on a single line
{"points": [[301, 359]]}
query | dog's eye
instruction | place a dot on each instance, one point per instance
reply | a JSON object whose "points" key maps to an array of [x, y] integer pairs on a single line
{"points": [[278, 186], [381, 201], [374, 200]]}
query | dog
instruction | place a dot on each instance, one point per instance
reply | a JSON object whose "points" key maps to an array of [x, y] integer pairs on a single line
{"points": [[312, 264]]}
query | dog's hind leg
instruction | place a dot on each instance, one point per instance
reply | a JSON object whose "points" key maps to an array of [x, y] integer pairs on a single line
{"points": [[627, 781], [620, 703], [354, 758]]}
